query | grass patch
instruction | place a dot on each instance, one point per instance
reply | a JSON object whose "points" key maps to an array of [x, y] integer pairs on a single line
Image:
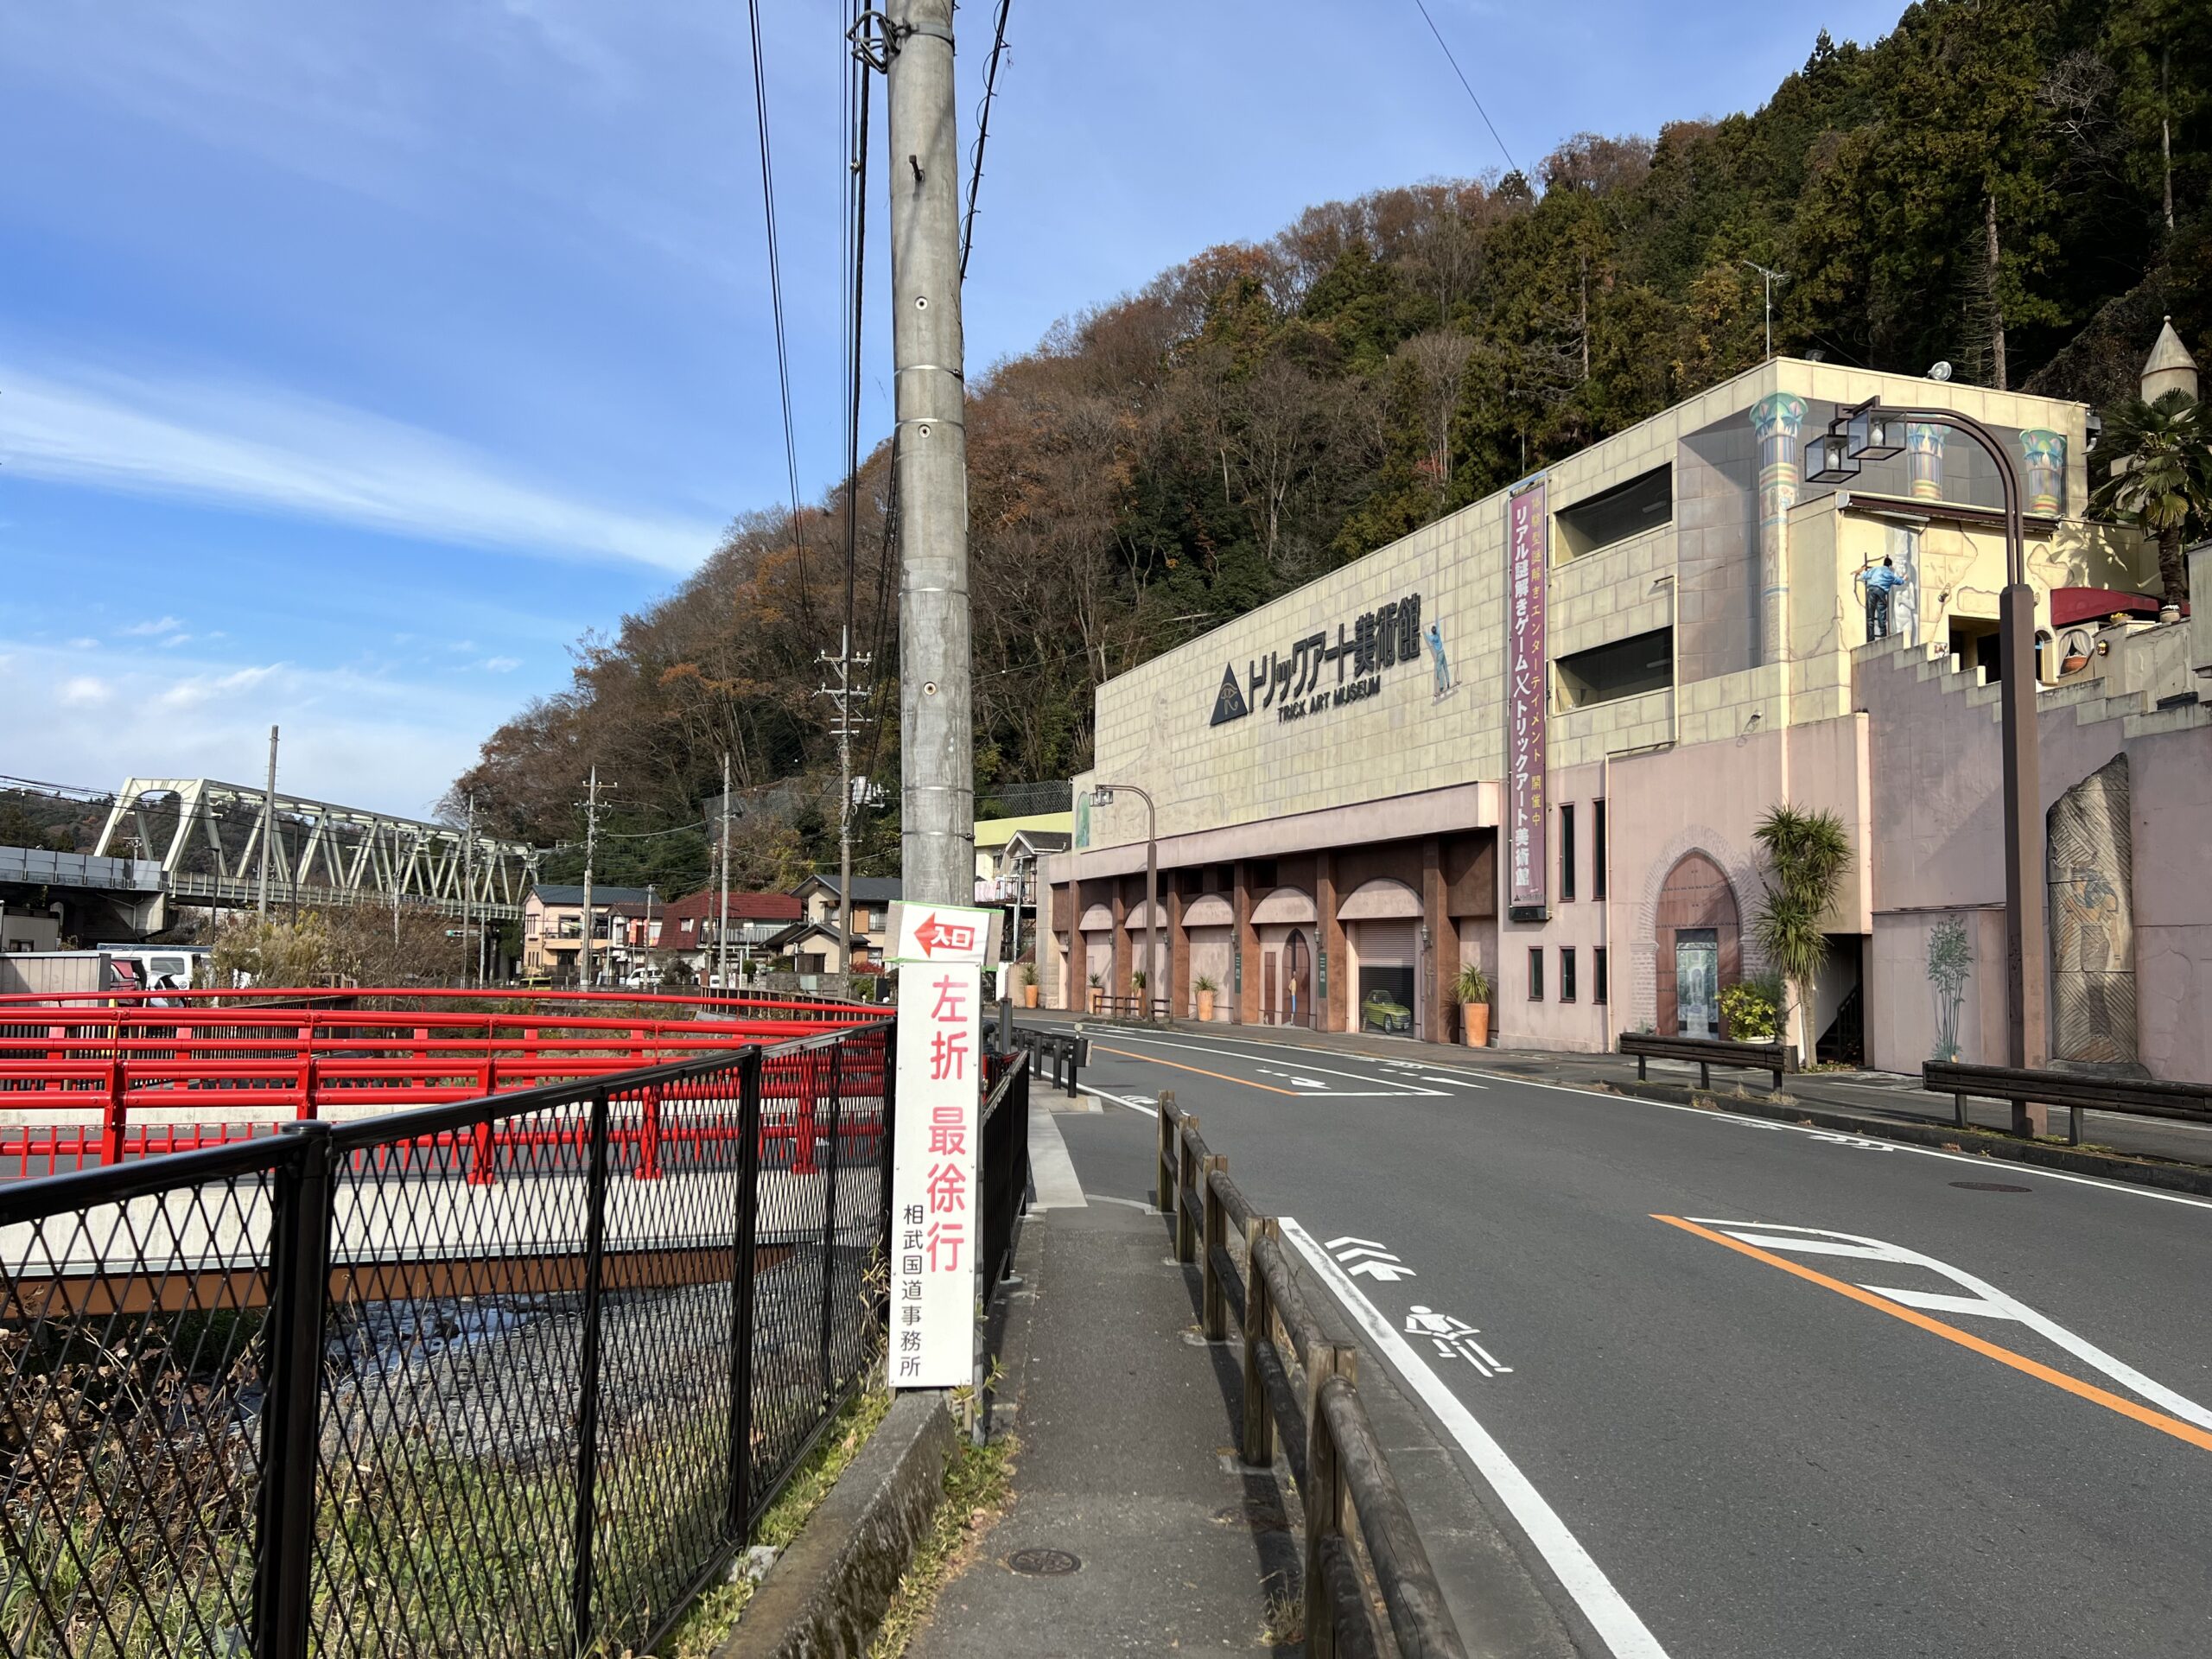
{"points": [[715, 1614], [976, 1487]]}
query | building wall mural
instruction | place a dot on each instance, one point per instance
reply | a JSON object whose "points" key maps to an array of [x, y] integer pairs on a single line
{"points": [[1777, 418], [1950, 965], [2090, 865], [1923, 445]]}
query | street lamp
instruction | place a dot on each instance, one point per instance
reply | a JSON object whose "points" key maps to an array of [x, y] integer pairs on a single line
{"points": [[1103, 795], [1869, 432]]}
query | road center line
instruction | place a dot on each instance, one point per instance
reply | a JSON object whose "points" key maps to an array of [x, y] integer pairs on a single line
{"points": [[1218, 1077], [2021, 1363], [1606, 1609]]}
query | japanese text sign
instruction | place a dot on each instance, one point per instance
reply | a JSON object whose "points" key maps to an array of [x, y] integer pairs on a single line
{"points": [[1528, 553], [935, 1226]]}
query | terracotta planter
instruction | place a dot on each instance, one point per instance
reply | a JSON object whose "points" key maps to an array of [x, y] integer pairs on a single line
{"points": [[1029, 996], [1097, 998], [1205, 1005], [1474, 1023]]}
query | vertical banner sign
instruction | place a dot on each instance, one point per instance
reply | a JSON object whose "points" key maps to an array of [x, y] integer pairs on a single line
{"points": [[1527, 536], [935, 1231]]}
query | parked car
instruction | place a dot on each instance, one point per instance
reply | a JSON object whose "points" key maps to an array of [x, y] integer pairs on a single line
{"points": [[1381, 1011]]}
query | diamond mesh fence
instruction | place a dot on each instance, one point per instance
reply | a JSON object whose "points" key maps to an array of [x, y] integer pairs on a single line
{"points": [[510, 1377]]}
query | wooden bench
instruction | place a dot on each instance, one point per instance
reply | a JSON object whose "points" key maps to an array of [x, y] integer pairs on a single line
{"points": [[1706, 1052], [2077, 1091]]}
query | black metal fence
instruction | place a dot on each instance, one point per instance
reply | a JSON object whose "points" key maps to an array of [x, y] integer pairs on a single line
{"points": [[509, 1377], [1003, 1155]]}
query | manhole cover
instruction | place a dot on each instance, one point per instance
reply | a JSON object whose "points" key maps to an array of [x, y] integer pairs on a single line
{"points": [[1043, 1563], [1991, 1187], [1257, 1514]]}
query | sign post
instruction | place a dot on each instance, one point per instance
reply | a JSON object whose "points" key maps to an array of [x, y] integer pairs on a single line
{"points": [[936, 1232]]}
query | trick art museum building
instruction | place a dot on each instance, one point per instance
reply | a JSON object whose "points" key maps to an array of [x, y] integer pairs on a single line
{"points": [[1537, 734]]}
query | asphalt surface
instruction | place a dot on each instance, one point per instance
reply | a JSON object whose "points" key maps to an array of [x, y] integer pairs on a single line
{"points": [[1755, 1454]]}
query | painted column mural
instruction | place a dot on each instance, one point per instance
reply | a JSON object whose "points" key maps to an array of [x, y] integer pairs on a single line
{"points": [[1777, 418], [1923, 459], [2045, 453]]}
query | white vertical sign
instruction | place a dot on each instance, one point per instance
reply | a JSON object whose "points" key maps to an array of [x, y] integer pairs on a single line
{"points": [[936, 1228]]}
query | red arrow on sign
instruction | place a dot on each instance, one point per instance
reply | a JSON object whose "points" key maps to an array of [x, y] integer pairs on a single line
{"points": [[934, 932]]}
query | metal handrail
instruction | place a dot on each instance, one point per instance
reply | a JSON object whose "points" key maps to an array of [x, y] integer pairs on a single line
{"points": [[1349, 1495]]}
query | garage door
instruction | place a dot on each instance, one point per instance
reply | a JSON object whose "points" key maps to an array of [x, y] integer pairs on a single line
{"points": [[1387, 953], [1212, 957]]}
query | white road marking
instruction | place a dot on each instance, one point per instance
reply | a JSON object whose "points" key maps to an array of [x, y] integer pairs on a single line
{"points": [[1051, 1170], [1220, 1049], [1606, 1609], [2121, 1188], [1986, 1301], [1457, 1083], [1133, 1105]]}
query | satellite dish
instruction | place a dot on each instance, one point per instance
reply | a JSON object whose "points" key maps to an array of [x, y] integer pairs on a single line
{"points": [[1940, 372]]}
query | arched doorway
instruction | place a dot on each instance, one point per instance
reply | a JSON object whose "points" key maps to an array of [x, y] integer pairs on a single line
{"points": [[1700, 946], [1297, 979]]}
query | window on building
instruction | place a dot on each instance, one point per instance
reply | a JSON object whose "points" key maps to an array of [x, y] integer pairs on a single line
{"points": [[1625, 667], [1535, 973], [1567, 851], [1626, 509], [1260, 872], [1598, 975], [1598, 865], [687, 924], [1566, 974]]}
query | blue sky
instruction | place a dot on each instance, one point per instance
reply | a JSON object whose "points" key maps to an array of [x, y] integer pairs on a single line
{"points": [[355, 359]]}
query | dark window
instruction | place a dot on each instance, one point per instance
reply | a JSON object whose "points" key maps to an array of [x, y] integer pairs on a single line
{"points": [[1625, 510], [1565, 975], [1566, 852], [1535, 973], [1260, 873], [1598, 975], [1597, 867], [1625, 667]]}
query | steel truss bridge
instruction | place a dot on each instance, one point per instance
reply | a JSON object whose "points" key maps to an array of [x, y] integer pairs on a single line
{"points": [[208, 837]]}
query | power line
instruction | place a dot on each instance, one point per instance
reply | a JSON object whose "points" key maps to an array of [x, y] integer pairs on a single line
{"points": [[982, 134], [775, 292], [1472, 98]]}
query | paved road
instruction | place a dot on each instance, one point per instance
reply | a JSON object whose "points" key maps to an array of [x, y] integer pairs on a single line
{"points": [[1655, 1322]]}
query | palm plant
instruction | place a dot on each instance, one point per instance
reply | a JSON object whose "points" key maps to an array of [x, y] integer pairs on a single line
{"points": [[2161, 478], [1808, 853]]}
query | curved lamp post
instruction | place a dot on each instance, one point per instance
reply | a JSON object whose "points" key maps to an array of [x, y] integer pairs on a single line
{"points": [[1103, 795], [1872, 432]]}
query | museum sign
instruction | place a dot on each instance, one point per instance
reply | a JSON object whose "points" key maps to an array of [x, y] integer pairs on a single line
{"points": [[1296, 682]]}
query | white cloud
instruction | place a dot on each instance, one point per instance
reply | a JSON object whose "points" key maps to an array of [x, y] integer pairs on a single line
{"points": [[273, 450], [154, 629], [500, 664], [207, 688], [83, 691], [174, 640], [81, 643]]}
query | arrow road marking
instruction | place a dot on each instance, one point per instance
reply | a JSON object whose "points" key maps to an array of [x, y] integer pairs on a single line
{"points": [[1607, 1610], [1387, 1272], [1338, 1243]]}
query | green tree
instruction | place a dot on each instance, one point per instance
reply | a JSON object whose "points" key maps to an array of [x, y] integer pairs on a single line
{"points": [[1807, 854], [2161, 479]]}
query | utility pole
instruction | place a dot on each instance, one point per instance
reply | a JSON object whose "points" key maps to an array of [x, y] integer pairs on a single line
{"points": [[935, 718], [841, 695], [469, 884], [590, 805], [722, 890], [268, 828], [1771, 278]]}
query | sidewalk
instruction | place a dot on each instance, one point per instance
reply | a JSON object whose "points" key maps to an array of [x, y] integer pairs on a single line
{"points": [[1126, 1463], [1876, 1095]]}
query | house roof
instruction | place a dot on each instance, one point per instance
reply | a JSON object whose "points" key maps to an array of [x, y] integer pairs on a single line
{"points": [[1041, 841], [562, 892], [867, 889], [706, 905], [798, 931], [996, 832]]}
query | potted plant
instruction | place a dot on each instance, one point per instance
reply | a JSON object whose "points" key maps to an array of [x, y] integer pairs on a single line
{"points": [[1472, 988], [1206, 988], [1138, 978], [1028, 984], [1097, 992]]}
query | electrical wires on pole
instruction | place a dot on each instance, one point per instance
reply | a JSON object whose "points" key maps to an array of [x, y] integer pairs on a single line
{"points": [[982, 132], [776, 295]]}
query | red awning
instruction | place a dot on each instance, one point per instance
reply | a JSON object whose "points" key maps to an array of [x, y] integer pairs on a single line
{"points": [[2070, 606]]}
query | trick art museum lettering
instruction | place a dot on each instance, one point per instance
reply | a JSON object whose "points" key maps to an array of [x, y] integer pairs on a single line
{"points": [[1290, 682]]}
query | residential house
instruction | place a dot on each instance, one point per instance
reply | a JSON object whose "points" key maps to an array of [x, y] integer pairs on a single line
{"points": [[689, 927], [811, 944], [553, 927]]}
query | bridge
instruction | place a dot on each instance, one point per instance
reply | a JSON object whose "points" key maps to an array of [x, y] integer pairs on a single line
{"points": [[210, 836]]}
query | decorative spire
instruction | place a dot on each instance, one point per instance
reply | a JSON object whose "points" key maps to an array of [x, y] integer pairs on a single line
{"points": [[2170, 368]]}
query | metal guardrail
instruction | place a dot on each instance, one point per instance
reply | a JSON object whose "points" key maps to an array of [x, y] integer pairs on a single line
{"points": [[510, 1375], [2187, 1102], [1059, 1054], [1305, 1383], [1002, 1151], [1706, 1052]]}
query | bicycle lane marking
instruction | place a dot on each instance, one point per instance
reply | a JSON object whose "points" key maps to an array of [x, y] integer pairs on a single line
{"points": [[1617, 1624]]}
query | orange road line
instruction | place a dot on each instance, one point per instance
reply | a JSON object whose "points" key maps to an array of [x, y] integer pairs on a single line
{"points": [[1222, 1076], [2089, 1391]]}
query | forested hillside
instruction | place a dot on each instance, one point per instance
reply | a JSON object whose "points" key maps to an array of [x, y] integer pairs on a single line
{"points": [[2019, 187]]}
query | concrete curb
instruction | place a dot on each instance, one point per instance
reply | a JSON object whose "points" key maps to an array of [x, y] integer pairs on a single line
{"points": [[2173, 1177], [827, 1593]]}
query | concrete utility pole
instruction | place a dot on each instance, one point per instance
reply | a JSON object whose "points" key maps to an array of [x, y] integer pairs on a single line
{"points": [[722, 923], [935, 715], [590, 805], [268, 827], [468, 885], [841, 696]]}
